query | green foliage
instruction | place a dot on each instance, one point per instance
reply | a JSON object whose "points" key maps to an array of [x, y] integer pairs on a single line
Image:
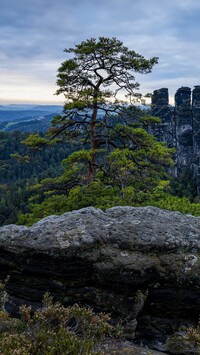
{"points": [[184, 186], [141, 165], [22, 167], [98, 63], [95, 194], [20, 158], [35, 141], [55, 329], [186, 341], [193, 335], [117, 152], [2, 290], [163, 199], [116, 162], [91, 82], [103, 196], [124, 175]]}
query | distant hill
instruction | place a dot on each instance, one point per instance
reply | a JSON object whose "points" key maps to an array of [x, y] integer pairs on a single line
{"points": [[30, 118], [6, 115], [20, 107], [27, 118], [28, 124], [16, 107], [50, 108]]}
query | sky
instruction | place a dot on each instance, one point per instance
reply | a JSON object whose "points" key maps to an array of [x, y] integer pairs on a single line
{"points": [[34, 34]]}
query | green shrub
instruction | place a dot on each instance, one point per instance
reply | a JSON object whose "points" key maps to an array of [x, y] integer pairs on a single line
{"points": [[186, 341], [56, 330]]}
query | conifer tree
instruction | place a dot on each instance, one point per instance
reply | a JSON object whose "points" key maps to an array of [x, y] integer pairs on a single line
{"points": [[99, 73]]}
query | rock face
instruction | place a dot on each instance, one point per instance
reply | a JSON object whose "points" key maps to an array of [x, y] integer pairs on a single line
{"points": [[160, 108], [180, 128], [183, 128], [102, 259], [196, 130]]}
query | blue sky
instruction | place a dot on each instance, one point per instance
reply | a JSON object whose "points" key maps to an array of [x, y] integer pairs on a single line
{"points": [[34, 33]]}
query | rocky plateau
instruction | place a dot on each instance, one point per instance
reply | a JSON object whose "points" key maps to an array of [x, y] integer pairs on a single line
{"points": [[141, 265]]}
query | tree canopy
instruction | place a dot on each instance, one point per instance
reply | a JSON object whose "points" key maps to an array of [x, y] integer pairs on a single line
{"points": [[108, 156], [119, 161], [91, 82]]}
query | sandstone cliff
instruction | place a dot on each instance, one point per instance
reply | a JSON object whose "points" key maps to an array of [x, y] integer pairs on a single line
{"points": [[179, 128], [102, 259]]}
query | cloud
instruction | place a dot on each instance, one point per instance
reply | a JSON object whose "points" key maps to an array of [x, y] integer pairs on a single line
{"points": [[34, 34]]}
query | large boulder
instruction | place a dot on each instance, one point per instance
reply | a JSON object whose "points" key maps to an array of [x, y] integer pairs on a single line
{"points": [[142, 265]]}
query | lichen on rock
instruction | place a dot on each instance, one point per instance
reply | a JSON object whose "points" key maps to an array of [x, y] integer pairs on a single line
{"points": [[102, 259]]}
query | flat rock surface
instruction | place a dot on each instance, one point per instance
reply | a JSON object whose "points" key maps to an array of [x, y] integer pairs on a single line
{"points": [[124, 226], [102, 259]]}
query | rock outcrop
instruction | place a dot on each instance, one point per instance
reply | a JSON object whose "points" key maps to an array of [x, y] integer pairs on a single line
{"points": [[160, 108], [183, 128], [140, 264], [179, 128]]}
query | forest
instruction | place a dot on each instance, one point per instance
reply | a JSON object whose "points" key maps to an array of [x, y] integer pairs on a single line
{"points": [[99, 151], [20, 168], [35, 183]]}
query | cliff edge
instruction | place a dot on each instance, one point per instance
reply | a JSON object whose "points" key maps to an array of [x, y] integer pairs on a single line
{"points": [[142, 265]]}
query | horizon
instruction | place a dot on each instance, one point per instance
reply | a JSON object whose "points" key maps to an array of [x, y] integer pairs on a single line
{"points": [[34, 35], [60, 103], [30, 103], [21, 101]]}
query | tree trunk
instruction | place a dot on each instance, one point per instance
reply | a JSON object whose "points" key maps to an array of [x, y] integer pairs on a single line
{"points": [[92, 165]]}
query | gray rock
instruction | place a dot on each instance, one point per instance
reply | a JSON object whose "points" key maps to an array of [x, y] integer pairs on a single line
{"points": [[179, 128], [102, 259]]}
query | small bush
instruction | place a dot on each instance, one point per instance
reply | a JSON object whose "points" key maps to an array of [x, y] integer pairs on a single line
{"points": [[186, 341], [56, 330]]}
